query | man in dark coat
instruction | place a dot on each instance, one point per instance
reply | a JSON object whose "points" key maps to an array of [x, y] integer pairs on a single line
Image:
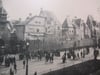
{"points": [[64, 58], [15, 67], [96, 53], [11, 71], [23, 64]]}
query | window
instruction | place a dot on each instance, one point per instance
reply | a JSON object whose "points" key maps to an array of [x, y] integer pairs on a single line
{"points": [[49, 27], [37, 30], [31, 28], [70, 31], [48, 22], [58, 28], [37, 22], [48, 31]]}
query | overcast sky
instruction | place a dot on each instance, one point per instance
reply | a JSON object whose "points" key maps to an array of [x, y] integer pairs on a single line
{"points": [[61, 8]]}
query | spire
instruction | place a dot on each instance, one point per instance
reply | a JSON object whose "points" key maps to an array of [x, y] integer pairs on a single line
{"points": [[3, 13], [41, 12]]}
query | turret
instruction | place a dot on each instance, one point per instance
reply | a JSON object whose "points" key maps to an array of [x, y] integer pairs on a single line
{"points": [[3, 13]]}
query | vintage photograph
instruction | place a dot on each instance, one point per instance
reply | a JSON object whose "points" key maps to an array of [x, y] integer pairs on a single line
{"points": [[49, 37]]}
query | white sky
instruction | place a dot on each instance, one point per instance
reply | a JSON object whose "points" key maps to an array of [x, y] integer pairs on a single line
{"points": [[61, 8]]}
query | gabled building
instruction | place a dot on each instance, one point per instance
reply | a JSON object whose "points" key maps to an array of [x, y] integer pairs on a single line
{"points": [[91, 24], [53, 26], [19, 29], [79, 28], [68, 30], [53, 29], [35, 28], [44, 29], [87, 32], [82, 32]]}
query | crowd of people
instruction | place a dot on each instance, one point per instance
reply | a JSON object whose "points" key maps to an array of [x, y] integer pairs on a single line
{"points": [[49, 57], [73, 54], [9, 61], [68, 54]]}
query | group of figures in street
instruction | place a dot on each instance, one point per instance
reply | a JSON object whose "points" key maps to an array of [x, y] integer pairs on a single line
{"points": [[11, 63], [50, 57], [75, 54]]}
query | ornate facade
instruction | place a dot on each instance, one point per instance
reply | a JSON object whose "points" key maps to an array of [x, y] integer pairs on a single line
{"points": [[5, 26]]}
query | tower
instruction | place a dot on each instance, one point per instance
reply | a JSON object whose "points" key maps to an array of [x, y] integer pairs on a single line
{"points": [[3, 13], [0, 3], [3, 22]]}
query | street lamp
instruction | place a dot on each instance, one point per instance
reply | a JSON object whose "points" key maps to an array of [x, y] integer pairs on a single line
{"points": [[27, 45]]}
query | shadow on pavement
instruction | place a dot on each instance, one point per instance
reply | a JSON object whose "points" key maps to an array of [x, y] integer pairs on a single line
{"points": [[90, 67]]}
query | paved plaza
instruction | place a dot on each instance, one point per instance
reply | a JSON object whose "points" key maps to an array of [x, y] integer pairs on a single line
{"points": [[42, 67]]}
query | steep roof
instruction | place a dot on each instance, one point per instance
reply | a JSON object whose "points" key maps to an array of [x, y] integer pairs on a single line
{"points": [[77, 22], [28, 19], [89, 21], [67, 23]]}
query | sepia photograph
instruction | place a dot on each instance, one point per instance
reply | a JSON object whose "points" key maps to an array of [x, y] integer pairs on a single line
{"points": [[49, 37]]}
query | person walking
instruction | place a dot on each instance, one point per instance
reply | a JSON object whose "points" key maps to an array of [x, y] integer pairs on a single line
{"points": [[96, 53], [15, 67], [35, 73], [11, 71], [64, 58], [23, 64], [51, 57], [78, 55], [47, 56], [81, 54], [68, 55], [14, 59], [84, 53]]}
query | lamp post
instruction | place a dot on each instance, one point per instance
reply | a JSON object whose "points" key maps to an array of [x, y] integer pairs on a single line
{"points": [[27, 45]]}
